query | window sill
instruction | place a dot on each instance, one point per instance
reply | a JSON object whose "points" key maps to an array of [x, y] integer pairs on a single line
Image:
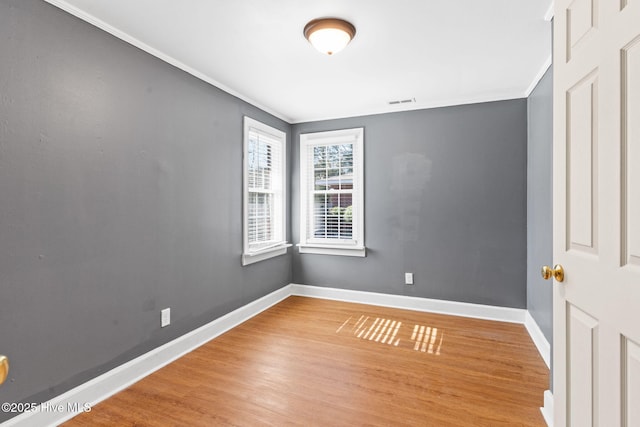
{"points": [[357, 251], [254, 257]]}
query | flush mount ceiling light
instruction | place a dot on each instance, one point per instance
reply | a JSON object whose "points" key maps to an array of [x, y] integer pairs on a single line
{"points": [[329, 35]]}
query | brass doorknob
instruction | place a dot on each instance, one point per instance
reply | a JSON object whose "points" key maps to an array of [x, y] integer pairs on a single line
{"points": [[4, 368], [557, 272]]}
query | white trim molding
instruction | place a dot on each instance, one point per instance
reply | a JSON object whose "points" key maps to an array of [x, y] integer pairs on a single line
{"points": [[360, 251], [264, 175], [69, 404], [248, 259], [543, 346], [87, 17], [538, 77], [547, 409], [548, 16], [347, 243], [121, 377], [453, 308], [503, 314]]}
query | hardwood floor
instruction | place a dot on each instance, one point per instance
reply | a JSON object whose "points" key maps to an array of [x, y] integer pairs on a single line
{"points": [[308, 361]]}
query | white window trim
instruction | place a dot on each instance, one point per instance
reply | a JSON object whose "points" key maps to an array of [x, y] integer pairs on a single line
{"points": [[357, 251], [250, 258], [356, 246], [279, 247]]}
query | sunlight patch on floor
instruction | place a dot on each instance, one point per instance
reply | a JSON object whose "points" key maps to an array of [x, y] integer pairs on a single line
{"points": [[421, 338]]}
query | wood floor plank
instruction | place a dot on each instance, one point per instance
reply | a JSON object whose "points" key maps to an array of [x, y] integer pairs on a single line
{"points": [[308, 361]]}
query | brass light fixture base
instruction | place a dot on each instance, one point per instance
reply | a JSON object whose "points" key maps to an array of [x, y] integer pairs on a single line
{"points": [[329, 24]]}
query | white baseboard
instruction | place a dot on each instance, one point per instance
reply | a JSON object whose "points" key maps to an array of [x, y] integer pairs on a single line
{"points": [[478, 311], [547, 409], [503, 314], [488, 312], [60, 409], [538, 338]]}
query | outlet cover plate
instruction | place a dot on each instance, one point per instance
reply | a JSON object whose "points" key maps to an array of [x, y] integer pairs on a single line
{"points": [[408, 278], [165, 317]]}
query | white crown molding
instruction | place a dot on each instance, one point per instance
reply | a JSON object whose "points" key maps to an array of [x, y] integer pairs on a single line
{"points": [[160, 55], [538, 77], [441, 103], [550, 12], [548, 16], [121, 377]]}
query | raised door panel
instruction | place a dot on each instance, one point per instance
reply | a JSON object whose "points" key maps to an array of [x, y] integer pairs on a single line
{"points": [[630, 78], [582, 165], [597, 213], [582, 20], [582, 367], [631, 381]]}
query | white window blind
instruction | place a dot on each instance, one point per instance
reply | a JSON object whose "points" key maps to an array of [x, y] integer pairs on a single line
{"points": [[264, 167], [331, 198], [264, 188], [332, 190]]}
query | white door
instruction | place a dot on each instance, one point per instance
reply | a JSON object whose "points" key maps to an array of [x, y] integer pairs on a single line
{"points": [[596, 188]]}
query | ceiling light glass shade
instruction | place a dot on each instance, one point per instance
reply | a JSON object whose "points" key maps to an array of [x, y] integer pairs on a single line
{"points": [[329, 35]]}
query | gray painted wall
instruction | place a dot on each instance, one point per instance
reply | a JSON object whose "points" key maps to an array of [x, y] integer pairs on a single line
{"points": [[539, 203], [120, 195], [445, 199]]}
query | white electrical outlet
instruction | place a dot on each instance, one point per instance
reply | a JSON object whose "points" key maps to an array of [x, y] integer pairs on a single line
{"points": [[408, 278], [165, 317]]}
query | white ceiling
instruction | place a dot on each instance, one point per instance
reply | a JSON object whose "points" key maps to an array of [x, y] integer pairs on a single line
{"points": [[439, 52]]}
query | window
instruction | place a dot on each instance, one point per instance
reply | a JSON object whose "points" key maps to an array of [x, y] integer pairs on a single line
{"points": [[264, 198], [331, 193]]}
